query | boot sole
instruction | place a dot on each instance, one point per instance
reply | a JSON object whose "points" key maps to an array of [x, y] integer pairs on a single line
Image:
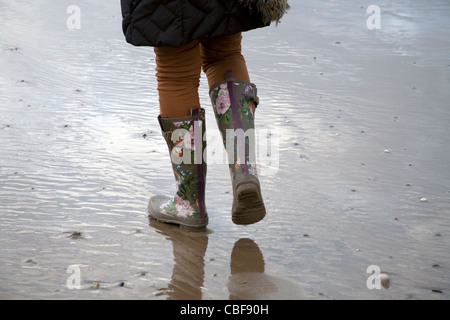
{"points": [[191, 228], [248, 205]]}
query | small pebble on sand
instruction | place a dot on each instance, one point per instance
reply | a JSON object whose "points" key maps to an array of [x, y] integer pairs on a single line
{"points": [[75, 235], [436, 291], [384, 280]]}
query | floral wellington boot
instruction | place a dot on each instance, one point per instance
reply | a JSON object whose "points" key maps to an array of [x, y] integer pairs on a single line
{"points": [[234, 102], [184, 137]]}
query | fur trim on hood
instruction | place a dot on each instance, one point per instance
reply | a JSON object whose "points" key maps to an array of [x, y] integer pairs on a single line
{"points": [[270, 10]]}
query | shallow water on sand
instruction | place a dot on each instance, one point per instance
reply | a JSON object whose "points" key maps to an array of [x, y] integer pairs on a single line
{"points": [[361, 120]]}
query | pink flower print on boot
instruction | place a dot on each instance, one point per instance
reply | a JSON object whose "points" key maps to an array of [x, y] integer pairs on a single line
{"points": [[223, 100]]}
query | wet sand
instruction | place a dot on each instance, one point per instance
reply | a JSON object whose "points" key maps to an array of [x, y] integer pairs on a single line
{"points": [[362, 118]]}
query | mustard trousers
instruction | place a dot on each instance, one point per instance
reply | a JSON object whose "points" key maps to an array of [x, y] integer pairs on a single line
{"points": [[178, 71]]}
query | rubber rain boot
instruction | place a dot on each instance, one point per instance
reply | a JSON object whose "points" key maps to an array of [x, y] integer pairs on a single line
{"points": [[234, 102], [184, 137]]}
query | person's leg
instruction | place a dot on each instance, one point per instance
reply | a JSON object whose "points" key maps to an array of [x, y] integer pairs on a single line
{"points": [[234, 102], [182, 123], [178, 75], [221, 54]]}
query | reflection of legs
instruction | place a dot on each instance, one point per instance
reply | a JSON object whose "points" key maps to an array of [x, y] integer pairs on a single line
{"points": [[246, 257], [178, 75], [189, 265], [247, 279]]}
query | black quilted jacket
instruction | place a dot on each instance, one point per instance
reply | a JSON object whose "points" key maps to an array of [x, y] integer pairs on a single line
{"points": [[177, 22]]}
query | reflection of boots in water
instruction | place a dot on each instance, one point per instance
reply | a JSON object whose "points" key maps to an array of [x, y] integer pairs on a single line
{"points": [[189, 253], [247, 280]]}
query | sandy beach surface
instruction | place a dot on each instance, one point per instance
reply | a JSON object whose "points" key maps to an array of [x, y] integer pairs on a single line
{"points": [[359, 185]]}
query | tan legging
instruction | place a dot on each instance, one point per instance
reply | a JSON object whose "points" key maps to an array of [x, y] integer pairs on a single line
{"points": [[178, 71]]}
